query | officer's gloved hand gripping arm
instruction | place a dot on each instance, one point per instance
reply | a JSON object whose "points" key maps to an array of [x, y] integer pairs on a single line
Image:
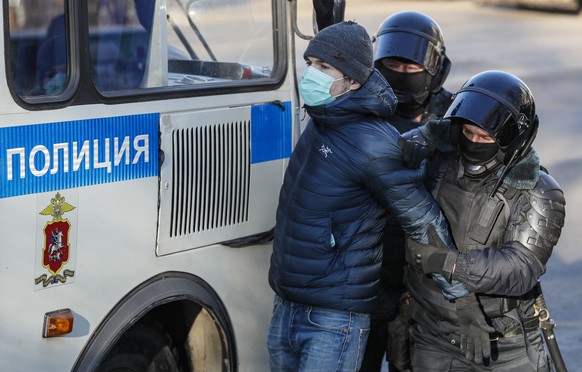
{"points": [[438, 257], [422, 142]]}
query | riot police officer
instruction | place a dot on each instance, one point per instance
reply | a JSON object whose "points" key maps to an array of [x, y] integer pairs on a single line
{"points": [[506, 214], [409, 51]]}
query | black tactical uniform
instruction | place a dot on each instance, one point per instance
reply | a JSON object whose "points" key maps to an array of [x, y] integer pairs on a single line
{"points": [[408, 37], [506, 216]]}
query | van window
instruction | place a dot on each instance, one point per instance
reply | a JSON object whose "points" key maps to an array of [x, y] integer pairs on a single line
{"points": [[137, 44], [38, 54], [141, 44]]}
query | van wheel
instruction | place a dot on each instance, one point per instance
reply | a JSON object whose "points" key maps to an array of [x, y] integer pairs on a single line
{"points": [[141, 348]]}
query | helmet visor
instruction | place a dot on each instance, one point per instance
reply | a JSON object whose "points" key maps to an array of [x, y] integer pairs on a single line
{"points": [[399, 43], [487, 113]]}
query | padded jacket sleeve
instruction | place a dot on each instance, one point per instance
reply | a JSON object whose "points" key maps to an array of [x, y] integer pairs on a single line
{"points": [[511, 270], [401, 190]]}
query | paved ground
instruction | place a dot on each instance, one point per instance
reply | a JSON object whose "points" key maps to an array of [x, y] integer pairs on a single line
{"points": [[545, 50]]}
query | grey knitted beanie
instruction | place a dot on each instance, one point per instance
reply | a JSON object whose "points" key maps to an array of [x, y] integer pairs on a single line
{"points": [[347, 47]]}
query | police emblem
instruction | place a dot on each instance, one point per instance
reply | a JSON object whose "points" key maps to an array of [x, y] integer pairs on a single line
{"points": [[56, 248]]}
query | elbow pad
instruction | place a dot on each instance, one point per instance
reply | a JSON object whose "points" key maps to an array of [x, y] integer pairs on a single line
{"points": [[540, 230]]}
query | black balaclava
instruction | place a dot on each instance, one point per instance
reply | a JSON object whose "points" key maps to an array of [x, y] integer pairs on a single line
{"points": [[412, 90], [478, 157]]}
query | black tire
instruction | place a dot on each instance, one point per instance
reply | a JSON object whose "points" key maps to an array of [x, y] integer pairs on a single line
{"points": [[142, 348]]}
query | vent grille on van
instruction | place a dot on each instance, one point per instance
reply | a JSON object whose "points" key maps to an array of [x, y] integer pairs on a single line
{"points": [[211, 176]]}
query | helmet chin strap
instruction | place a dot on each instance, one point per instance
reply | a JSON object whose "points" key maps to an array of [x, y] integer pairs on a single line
{"points": [[478, 170], [473, 170]]}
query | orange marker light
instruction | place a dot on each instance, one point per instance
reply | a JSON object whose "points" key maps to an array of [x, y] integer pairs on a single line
{"points": [[57, 323]]}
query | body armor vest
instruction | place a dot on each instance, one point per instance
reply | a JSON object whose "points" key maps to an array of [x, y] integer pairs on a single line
{"points": [[476, 221]]}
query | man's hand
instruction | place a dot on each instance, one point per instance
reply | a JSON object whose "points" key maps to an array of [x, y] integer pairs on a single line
{"points": [[475, 340], [414, 148]]}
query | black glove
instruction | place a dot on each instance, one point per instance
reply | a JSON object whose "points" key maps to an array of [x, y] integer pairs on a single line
{"points": [[434, 257], [415, 148], [475, 340]]}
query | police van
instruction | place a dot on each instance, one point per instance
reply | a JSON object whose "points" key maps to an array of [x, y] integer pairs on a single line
{"points": [[143, 145]]}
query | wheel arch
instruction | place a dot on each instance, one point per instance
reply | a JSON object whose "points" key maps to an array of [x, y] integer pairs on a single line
{"points": [[162, 296]]}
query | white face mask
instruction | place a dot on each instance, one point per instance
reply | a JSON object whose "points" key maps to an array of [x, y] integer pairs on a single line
{"points": [[315, 87]]}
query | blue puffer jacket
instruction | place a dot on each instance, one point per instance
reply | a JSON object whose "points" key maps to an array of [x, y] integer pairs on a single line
{"points": [[345, 171]]}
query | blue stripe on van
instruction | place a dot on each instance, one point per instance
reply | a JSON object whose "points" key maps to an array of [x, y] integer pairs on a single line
{"points": [[271, 134], [54, 156]]}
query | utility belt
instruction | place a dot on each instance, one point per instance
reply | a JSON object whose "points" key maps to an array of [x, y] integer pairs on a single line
{"points": [[495, 306]]}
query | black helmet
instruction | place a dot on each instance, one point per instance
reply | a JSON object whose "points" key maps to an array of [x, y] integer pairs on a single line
{"points": [[504, 106], [416, 37]]}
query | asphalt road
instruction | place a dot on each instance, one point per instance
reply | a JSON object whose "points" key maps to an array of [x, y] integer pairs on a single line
{"points": [[544, 49]]}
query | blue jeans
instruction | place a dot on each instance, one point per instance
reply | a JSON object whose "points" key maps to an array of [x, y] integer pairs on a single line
{"points": [[308, 338]]}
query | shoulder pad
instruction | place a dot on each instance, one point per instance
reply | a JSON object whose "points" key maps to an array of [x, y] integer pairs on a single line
{"points": [[541, 229], [548, 188]]}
